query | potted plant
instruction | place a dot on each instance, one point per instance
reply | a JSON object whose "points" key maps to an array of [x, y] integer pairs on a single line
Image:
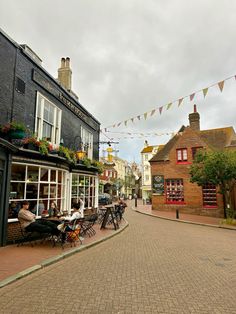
{"points": [[15, 130], [43, 146], [67, 153], [31, 143]]}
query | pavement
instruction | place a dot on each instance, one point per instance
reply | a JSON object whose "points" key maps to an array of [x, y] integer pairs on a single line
{"points": [[18, 262]]}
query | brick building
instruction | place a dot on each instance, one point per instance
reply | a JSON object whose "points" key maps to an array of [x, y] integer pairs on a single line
{"points": [[171, 185], [49, 108]]}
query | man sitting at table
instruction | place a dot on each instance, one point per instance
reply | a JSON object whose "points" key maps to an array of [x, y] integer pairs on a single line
{"points": [[29, 223]]}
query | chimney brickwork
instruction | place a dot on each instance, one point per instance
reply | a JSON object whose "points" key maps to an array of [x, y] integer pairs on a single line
{"points": [[194, 120], [65, 74]]}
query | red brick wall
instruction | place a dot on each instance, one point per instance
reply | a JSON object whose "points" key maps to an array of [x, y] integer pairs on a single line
{"points": [[192, 192], [13, 232]]}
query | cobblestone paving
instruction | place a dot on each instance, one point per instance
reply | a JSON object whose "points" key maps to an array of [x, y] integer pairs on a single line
{"points": [[154, 266]]}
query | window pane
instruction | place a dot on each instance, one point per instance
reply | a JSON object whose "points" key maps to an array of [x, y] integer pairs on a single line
{"points": [[53, 175], [53, 190], [44, 190], [18, 172], [17, 190], [44, 174], [32, 174], [185, 156], [31, 191], [179, 155]]}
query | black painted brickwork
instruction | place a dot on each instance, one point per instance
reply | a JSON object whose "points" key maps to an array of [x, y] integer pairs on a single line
{"points": [[21, 107]]}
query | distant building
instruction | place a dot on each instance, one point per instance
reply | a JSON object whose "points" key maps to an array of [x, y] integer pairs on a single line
{"points": [[171, 188], [146, 154]]}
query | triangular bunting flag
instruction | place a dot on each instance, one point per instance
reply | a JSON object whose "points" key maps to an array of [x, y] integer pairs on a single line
{"points": [[114, 126], [235, 77], [132, 119], [192, 96], [160, 109], [180, 101], [138, 117], [105, 129], [221, 85], [125, 122], [119, 124], [169, 105], [205, 90], [152, 112], [145, 115]]}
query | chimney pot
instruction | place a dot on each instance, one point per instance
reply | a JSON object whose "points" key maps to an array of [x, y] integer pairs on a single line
{"points": [[195, 108], [63, 62]]}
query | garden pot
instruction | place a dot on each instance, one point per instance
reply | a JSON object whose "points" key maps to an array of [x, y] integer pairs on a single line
{"points": [[16, 134]]}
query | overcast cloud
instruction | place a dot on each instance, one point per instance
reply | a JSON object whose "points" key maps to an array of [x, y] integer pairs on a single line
{"points": [[129, 57]]}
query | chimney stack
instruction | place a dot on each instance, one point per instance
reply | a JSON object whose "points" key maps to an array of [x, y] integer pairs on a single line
{"points": [[65, 73], [194, 119]]}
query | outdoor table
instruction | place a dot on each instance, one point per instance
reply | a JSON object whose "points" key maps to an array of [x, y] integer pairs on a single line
{"points": [[109, 211]]}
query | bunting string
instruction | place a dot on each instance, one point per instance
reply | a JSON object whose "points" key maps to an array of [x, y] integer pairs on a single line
{"points": [[179, 101]]}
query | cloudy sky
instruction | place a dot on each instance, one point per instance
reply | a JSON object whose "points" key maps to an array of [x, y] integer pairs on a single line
{"points": [[129, 57]]}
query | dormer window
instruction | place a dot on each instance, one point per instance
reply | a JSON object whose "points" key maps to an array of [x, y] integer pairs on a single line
{"points": [[182, 155]]}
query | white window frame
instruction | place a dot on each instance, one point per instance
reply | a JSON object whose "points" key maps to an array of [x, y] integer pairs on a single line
{"points": [[87, 141], [56, 136]]}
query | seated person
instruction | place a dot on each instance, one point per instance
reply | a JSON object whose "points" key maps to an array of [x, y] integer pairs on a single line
{"points": [[13, 210], [40, 208], [78, 212], [28, 222], [53, 210]]}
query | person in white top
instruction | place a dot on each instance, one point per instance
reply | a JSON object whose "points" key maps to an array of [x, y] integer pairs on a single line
{"points": [[78, 211]]}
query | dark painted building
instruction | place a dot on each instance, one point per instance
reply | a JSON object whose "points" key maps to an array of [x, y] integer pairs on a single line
{"points": [[51, 110]]}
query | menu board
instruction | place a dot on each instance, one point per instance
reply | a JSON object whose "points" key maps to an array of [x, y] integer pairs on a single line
{"points": [[158, 184]]}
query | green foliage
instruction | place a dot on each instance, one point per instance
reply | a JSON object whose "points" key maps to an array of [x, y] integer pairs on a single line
{"points": [[87, 162], [43, 146], [13, 126], [68, 154], [218, 168], [214, 167], [98, 165]]}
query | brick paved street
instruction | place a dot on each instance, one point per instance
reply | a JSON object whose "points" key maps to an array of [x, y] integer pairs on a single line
{"points": [[154, 266]]}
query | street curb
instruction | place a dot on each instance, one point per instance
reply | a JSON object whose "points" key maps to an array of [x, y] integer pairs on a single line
{"points": [[185, 221], [57, 258]]}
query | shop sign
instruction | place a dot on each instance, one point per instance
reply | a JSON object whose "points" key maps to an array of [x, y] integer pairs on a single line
{"points": [[158, 184]]}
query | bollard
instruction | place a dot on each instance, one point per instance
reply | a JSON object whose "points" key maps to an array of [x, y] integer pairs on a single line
{"points": [[177, 214], [135, 201]]}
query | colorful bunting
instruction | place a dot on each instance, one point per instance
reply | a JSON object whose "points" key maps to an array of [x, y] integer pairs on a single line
{"points": [[205, 90], [221, 85], [169, 105], [180, 101], [152, 112], [192, 96]]}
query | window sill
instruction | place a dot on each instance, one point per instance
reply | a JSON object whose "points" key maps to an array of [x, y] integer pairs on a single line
{"points": [[183, 163], [210, 206]]}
